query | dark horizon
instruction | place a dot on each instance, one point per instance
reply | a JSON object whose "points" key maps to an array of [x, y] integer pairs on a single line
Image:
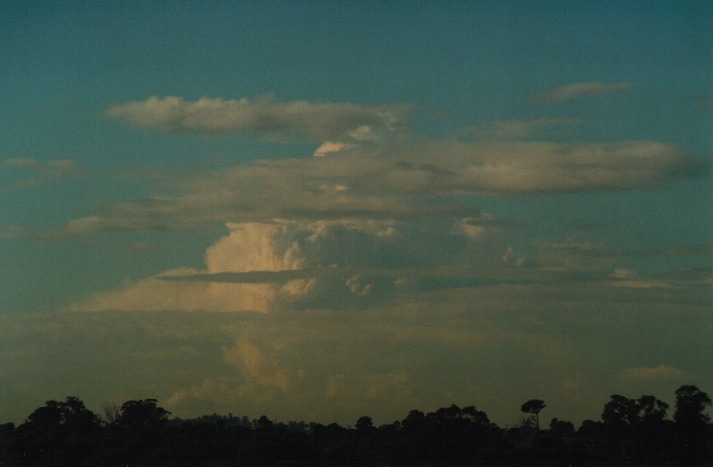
{"points": [[141, 432]]}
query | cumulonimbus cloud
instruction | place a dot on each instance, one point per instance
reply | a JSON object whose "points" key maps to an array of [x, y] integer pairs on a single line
{"points": [[269, 266], [316, 121], [577, 90]]}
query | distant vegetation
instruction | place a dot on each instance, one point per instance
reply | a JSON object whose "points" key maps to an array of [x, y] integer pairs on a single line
{"points": [[141, 433]]}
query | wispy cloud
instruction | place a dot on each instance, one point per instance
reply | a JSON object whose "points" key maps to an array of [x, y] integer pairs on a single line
{"points": [[36, 172], [263, 115], [58, 165], [654, 373], [680, 250], [576, 255], [518, 129], [577, 90]]}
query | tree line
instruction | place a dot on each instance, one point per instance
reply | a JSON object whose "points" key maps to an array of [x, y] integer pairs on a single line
{"points": [[141, 433]]}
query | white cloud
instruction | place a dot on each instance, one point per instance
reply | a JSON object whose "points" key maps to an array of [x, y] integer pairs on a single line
{"points": [[331, 147], [272, 261], [318, 122], [576, 90]]}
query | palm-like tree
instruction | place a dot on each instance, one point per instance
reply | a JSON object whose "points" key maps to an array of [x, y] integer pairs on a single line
{"points": [[534, 406]]}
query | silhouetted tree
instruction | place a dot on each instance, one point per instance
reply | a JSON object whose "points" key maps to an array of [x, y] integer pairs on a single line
{"points": [[142, 414], [561, 427], [415, 418], [263, 423], [621, 413], [111, 412], [651, 409], [692, 423], [534, 406], [691, 403], [7, 436], [59, 433], [655, 432], [138, 431], [364, 424]]}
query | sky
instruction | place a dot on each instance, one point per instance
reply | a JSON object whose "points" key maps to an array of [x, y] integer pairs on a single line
{"points": [[322, 210]]}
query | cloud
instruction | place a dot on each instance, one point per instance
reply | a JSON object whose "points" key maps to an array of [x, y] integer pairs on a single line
{"points": [[623, 273], [518, 129], [283, 264], [264, 115], [576, 256], [58, 165], [490, 345], [654, 373], [248, 247], [258, 366], [388, 181], [140, 246], [577, 90], [42, 172], [700, 249], [366, 388]]}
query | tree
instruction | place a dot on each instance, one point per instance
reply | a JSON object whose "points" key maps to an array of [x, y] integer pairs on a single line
{"points": [[691, 403], [364, 424], [621, 412], [111, 412], [475, 416], [414, 419], [138, 430], [534, 406], [59, 432], [692, 423], [561, 427], [651, 409], [142, 414]]}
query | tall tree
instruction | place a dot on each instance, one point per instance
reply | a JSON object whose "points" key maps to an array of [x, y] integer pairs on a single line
{"points": [[534, 406], [693, 424], [691, 403]]}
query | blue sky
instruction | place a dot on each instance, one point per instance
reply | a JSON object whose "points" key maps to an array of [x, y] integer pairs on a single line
{"points": [[473, 178]]}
